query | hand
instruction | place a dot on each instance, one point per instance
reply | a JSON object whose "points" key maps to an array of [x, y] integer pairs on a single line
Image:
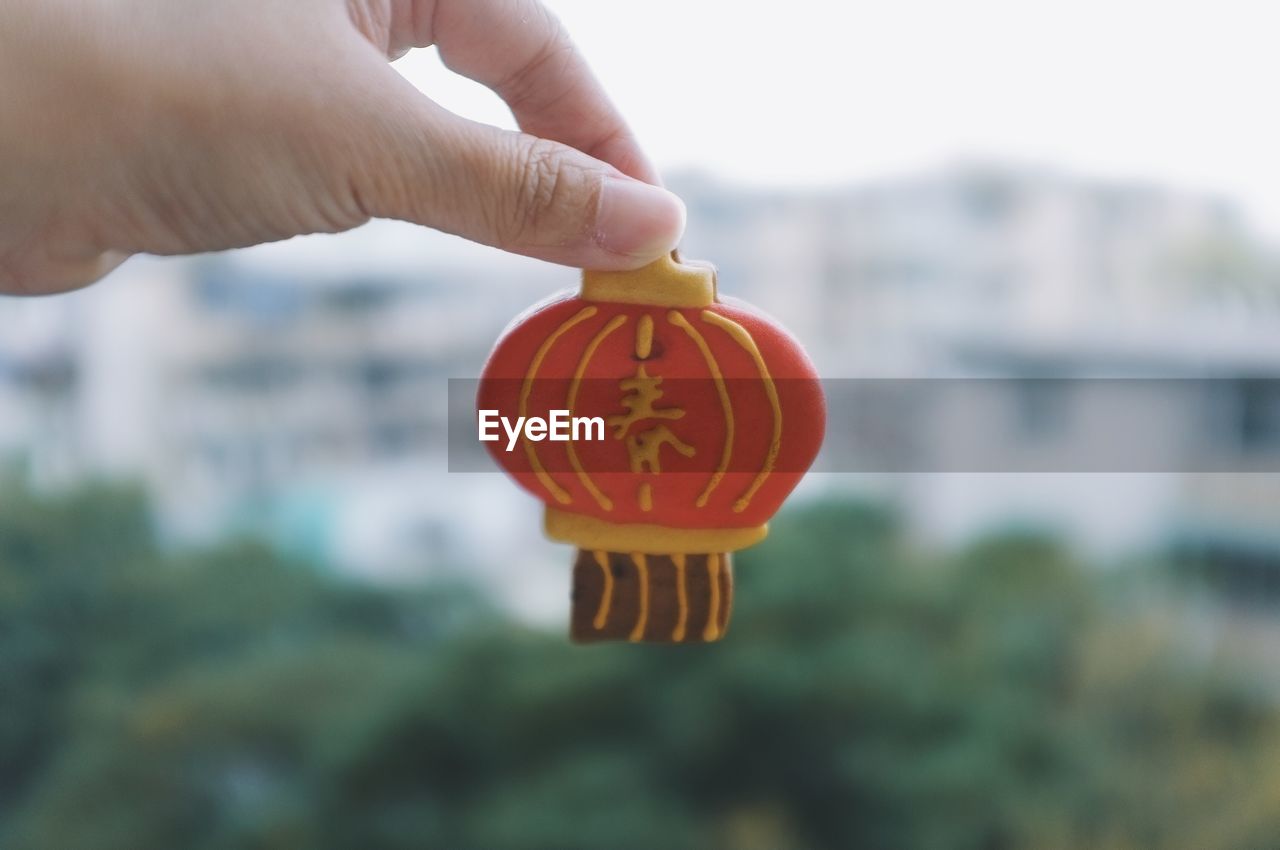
{"points": [[131, 126]]}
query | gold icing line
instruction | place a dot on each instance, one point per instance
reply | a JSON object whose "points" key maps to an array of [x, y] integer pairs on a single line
{"points": [[614, 323], [561, 495], [743, 338], [606, 597], [682, 598], [712, 629], [646, 497], [677, 319], [644, 337], [642, 616]]}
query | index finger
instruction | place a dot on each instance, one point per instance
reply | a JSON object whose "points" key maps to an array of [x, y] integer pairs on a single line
{"points": [[520, 50]]}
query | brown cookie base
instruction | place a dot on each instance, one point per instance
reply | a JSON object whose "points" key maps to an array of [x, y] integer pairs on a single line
{"points": [[650, 598]]}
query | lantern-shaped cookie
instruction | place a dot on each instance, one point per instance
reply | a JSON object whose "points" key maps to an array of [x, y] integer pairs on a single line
{"points": [[662, 428]]}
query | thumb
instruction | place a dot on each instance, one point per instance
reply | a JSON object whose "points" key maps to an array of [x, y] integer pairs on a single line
{"points": [[517, 192]]}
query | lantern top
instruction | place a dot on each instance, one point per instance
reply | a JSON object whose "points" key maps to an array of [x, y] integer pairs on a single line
{"points": [[667, 282]]}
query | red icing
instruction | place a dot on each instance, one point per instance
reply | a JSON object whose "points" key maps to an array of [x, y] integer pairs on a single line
{"points": [[675, 357]]}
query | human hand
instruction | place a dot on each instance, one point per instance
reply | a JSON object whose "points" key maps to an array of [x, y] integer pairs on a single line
{"points": [[130, 126]]}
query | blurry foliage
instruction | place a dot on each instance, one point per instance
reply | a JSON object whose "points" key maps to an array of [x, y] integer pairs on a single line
{"points": [[867, 696]]}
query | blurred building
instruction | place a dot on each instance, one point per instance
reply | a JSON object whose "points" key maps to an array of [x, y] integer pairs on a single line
{"points": [[39, 387], [1131, 441], [870, 276]]}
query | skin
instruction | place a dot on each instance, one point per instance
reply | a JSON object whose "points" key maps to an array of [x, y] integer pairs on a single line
{"points": [[173, 127]]}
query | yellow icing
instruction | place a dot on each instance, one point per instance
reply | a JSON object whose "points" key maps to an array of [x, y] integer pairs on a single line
{"points": [[644, 337], [712, 630], [606, 597], [642, 616], [643, 449], [682, 598], [645, 497], [641, 391], [662, 283], [590, 351], [713, 367], [559, 493], [743, 338], [588, 532]]}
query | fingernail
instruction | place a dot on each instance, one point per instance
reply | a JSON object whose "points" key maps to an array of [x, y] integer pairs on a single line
{"points": [[637, 219]]}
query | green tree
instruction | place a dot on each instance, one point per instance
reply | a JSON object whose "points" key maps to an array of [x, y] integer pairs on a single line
{"points": [[868, 695]]}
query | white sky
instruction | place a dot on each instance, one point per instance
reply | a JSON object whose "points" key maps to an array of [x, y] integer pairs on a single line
{"points": [[817, 92]]}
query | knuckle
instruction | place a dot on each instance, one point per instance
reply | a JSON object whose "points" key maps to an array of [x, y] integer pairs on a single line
{"points": [[344, 202], [545, 186], [526, 85]]}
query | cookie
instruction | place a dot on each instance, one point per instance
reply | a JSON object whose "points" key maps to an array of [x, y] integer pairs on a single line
{"points": [[661, 426]]}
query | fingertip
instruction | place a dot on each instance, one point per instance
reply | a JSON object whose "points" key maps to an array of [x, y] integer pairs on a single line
{"points": [[638, 222]]}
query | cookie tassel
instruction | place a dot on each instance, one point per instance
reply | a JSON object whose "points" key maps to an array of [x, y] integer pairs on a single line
{"points": [[646, 598]]}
